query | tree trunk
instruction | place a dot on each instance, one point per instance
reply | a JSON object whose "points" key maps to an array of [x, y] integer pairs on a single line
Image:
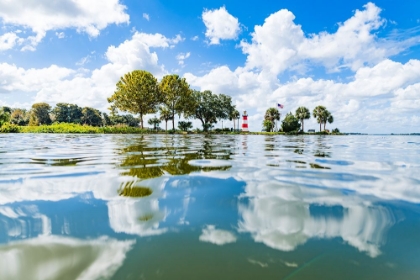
{"points": [[325, 124], [173, 121], [141, 120], [320, 127], [166, 125], [303, 129]]}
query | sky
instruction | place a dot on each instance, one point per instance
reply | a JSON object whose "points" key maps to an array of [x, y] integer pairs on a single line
{"points": [[359, 59]]}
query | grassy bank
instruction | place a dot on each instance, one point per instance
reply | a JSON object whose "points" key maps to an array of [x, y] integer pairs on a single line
{"points": [[86, 129]]}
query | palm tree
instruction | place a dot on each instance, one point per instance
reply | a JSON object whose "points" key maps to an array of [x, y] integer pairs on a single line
{"points": [[233, 116], [165, 115], [302, 113], [330, 119], [319, 113], [272, 115]]}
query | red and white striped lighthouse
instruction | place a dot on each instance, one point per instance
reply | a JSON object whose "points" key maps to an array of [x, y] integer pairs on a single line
{"points": [[245, 122]]}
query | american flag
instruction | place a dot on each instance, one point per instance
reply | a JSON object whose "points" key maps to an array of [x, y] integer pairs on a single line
{"points": [[280, 105]]}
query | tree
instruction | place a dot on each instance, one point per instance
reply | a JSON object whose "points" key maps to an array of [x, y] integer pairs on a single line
{"points": [[4, 116], [319, 113], [184, 126], [272, 115], [138, 93], [233, 117], [91, 116], [106, 120], [290, 123], [155, 122], [209, 107], [267, 125], [19, 117], [330, 119], [165, 115], [302, 113], [176, 95], [67, 113], [40, 114]]}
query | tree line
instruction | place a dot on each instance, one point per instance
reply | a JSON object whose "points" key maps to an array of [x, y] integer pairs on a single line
{"points": [[137, 92], [43, 114], [293, 123]]}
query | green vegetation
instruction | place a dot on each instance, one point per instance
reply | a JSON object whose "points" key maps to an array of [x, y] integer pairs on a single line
{"points": [[271, 116], [176, 95], [302, 113], [137, 92], [40, 114], [184, 126], [209, 107], [290, 124]]}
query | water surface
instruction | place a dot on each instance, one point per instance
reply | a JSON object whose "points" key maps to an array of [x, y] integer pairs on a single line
{"points": [[209, 207]]}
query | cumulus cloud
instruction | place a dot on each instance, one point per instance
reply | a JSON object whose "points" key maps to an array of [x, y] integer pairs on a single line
{"points": [[279, 47], [9, 40], [280, 44], [220, 25], [146, 16], [42, 16], [88, 88]]}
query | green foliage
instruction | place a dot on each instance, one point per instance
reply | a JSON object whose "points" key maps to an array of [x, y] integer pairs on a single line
{"points": [[67, 113], [302, 113], [290, 123], [234, 115], [209, 107], [322, 116], [9, 128], [165, 115], [91, 116], [184, 126], [138, 93], [268, 125], [154, 122], [77, 128], [4, 116], [335, 130], [19, 117], [176, 95], [40, 114], [271, 115]]}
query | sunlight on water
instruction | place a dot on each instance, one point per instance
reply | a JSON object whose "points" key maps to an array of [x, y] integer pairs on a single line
{"points": [[209, 207]]}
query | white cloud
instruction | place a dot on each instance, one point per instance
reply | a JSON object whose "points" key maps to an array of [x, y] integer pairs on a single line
{"points": [[181, 57], [279, 47], [57, 84], [195, 38], [146, 16], [8, 41], [220, 25], [42, 16], [60, 35], [217, 236], [280, 44]]}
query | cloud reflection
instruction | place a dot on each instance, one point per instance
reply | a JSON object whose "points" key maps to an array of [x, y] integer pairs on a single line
{"points": [[217, 236], [279, 216], [53, 257]]}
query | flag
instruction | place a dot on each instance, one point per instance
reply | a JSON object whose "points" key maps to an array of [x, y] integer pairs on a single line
{"points": [[280, 105]]}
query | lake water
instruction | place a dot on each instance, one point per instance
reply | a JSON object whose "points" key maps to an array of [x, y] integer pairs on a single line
{"points": [[209, 207]]}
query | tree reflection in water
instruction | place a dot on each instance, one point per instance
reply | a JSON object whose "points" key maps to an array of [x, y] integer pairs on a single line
{"points": [[145, 159]]}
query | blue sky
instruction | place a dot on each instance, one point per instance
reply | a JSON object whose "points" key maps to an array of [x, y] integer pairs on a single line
{"points": [[360, 59]]}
